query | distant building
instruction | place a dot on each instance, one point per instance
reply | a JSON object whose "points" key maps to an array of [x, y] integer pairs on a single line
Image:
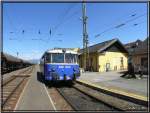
{"points": [[139, 52], [134, 44], [110, 55]]}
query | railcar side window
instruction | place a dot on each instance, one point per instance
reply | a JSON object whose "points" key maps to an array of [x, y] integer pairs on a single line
{"points": [[48, 58]]}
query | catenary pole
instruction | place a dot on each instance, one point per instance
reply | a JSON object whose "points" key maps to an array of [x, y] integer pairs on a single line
{"points": [[85, 37]]}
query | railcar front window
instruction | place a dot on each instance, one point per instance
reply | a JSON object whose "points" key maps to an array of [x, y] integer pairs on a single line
{"points": [[58, 58], [70, 58]]}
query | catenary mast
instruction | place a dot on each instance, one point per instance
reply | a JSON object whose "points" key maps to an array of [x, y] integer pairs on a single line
{"points": [[85, 38]]}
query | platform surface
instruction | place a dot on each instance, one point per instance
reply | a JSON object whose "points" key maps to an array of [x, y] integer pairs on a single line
{"points": [[112, 80], [35, 96]]}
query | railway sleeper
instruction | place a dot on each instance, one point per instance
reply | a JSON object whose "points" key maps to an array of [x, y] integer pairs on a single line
{"points": [[4, 102]]}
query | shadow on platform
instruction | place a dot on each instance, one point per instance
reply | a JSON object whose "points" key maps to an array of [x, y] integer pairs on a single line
{"points": [[122, 72]]}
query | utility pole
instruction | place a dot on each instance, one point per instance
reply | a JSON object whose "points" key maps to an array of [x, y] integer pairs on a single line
{"points": [[85, 37]]}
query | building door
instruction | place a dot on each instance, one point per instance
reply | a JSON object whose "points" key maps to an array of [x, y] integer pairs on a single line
{"points": [[107, 67]]}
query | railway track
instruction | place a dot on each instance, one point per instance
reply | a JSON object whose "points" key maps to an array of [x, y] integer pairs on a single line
{"points": [[22, 69], [7, 76], [83, 98], [80, 101], [12, 88]]}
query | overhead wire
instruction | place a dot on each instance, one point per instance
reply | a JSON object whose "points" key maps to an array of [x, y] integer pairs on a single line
{"points": [[12, 25], [15, 31], [51, 32], [135, 24], [120, 25], [63, 19], [64, 16], [134, 18]]}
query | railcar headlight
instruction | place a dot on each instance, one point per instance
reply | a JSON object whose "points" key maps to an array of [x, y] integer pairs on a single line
{"points": [[74, 69], [53, 69]]}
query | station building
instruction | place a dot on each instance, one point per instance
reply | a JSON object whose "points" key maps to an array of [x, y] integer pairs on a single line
{"points": [[139, 52], [110, 55]]}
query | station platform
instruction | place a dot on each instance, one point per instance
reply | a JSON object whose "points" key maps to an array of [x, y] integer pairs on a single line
{"points": [[111, 81], [34, 96]]}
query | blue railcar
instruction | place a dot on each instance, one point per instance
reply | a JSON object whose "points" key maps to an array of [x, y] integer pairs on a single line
{"points": [[60, 65]]}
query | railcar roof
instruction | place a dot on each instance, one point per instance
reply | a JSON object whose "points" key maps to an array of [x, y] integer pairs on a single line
{"points": [[60, 51]]}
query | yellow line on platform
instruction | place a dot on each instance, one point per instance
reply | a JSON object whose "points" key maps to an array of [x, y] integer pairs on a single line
{"points": [[140, 97]]}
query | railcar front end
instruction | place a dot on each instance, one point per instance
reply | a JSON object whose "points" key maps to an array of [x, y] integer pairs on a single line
{"points": [[60, 65], [61, 72]]}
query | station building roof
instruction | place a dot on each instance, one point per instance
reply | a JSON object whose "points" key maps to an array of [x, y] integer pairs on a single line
{"points": [[139, 47], [100, 47], [142, 49]]}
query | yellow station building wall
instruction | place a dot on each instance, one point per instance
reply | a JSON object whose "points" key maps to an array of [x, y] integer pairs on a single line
{"points": [[114, 59]]}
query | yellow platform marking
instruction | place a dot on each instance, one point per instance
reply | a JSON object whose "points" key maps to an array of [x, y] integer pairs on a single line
{"points": [[116, 91]]}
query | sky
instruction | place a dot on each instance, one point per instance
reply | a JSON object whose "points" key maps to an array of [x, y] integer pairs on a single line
{"points": [[32, 28]]}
